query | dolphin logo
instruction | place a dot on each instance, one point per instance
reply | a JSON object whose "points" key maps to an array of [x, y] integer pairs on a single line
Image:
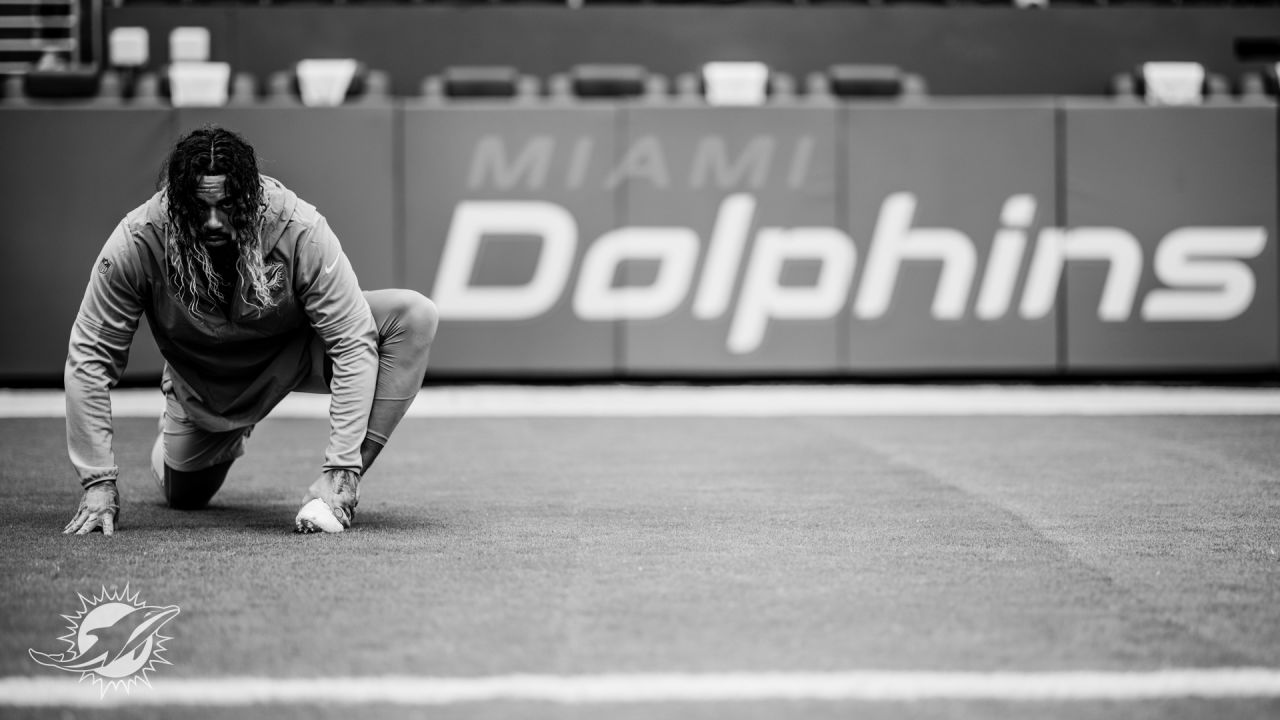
{"points": [[117, 642]]}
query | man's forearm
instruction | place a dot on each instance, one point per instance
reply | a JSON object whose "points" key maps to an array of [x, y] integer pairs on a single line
{"points": [[89, 430], [355, 378]]}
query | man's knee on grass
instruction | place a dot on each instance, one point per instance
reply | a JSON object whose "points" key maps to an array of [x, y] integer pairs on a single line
{"points": [[193, 489]]}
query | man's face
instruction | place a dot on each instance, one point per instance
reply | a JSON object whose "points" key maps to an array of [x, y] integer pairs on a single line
{"points": [[216, 229]]}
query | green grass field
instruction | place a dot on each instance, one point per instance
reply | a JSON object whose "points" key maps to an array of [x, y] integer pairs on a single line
{"points": [[581, 546]]}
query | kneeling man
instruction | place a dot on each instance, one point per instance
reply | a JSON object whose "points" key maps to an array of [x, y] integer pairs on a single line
{"points": [[249, 297]]}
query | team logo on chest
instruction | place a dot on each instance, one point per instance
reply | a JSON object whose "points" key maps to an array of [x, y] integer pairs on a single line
{"points": [[274, 274]]}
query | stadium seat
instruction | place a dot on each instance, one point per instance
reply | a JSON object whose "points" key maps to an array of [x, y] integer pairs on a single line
{"points": [[199, 84], [480, 82], [1157, 83], [77, 85], [325, 82], [608, 82], [366, 85], [850, 81], [779, 86], [155, 88], [69, 85], [739, 83]]}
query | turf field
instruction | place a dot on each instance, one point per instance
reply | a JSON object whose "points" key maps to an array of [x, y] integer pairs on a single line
{"points": [[683, 565]]}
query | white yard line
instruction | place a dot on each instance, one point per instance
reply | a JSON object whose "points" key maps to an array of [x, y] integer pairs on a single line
{"points": [[867, 686], [740, 401]]}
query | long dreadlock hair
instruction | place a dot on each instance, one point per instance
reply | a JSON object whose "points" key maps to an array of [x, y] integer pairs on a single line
{"points": [[212, 150]]}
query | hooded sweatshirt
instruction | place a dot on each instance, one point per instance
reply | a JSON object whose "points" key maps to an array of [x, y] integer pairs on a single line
{"points": [[230, 364]]}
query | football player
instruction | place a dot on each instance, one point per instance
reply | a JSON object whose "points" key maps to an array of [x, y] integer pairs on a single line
{"points": [[249, 297]]}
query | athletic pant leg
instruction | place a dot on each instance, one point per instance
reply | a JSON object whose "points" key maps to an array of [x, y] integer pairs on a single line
{"points": [[407, 323], [190, 463]]}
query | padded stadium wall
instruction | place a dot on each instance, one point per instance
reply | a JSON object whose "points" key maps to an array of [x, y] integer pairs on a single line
{"points": [[1009, 237]]}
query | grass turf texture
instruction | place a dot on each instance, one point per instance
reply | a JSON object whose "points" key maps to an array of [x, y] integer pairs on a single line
{"points": [[632, 545]]}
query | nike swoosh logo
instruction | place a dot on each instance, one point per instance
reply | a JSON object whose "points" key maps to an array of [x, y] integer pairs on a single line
{"points": [[332, 265]]}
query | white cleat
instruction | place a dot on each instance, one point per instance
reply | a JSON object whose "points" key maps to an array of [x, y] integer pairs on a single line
{"points": [[316, 516]]}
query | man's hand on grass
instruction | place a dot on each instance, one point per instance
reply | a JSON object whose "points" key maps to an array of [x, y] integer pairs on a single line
{"points": [[340, 490], [99, 506]]}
